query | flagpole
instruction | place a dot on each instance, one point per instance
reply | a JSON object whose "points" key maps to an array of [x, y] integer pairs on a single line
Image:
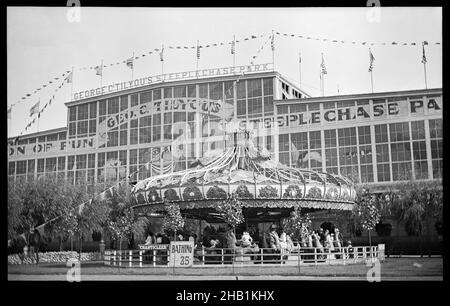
{"points": [[234, 53], [132, 67], [196, 70], [39, 115], [273, 51], [162, 63], [371, 79], [323, 79], [300, 67], [101, 75], [424, 65], [71, 85]]}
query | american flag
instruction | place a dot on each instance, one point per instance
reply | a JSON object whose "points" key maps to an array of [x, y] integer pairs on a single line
{"points": [[424, 58], [198, 51], [34, 109], [130, 63], [99, 70], [161, 54], [233, 45], [371, 58], [324, 69], [69, 78]]}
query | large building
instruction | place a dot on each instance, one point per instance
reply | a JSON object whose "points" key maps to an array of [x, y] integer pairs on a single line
{"points": [[113, 132]]}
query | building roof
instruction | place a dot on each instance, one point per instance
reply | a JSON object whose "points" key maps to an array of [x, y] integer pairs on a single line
{"points": [[39, 134], [361, 96], [185, 82]]}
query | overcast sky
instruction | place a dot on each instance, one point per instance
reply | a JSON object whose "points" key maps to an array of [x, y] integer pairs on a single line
{"points": [[42, 44]]}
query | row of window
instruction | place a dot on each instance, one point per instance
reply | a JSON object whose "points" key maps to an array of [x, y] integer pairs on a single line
{"points": [[348, 151]]}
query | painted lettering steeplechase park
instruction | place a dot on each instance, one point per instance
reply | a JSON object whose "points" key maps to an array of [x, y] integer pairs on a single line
{"points": [[402, 108], [170, 77]]}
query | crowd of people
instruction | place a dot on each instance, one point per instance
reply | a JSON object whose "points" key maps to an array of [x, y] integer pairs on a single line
{"points": [[275, 241]]}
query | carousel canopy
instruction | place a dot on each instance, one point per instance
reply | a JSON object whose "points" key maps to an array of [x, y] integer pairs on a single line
{"points": [[251, 174]]}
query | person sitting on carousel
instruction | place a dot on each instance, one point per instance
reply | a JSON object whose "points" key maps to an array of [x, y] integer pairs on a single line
{"points": [[286, 244]]}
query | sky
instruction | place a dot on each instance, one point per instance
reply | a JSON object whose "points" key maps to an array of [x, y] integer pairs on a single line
{"points": [[42, 43]]}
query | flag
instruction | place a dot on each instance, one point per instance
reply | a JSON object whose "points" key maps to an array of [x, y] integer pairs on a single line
{"points": [[69, 78], [371, 58], [99, 70], [130, 63], [299, 58], [102, 196], [324, 69], [198, 51], [272, 42], [161, 54], [40, 229], [9, 112], [424, 58], [233, 46], [80, 209], [34, 109]]}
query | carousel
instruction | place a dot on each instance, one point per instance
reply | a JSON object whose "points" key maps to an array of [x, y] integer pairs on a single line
{"points": [[267, 189]]}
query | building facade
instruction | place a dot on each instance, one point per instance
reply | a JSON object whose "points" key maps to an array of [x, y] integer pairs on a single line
{"points": [[370, 138], [376, 139]]}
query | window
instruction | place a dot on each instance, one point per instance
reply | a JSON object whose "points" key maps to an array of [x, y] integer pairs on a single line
{"points": [[436, 139], [400, 151], [348, 153], [381, 133], [365, 154]]}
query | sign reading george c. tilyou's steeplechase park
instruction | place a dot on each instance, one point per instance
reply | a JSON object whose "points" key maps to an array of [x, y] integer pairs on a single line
{"points": [[84, 94]]}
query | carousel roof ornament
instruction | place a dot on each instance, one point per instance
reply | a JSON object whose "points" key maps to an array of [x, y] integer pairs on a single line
{"points": [[252, 175]]}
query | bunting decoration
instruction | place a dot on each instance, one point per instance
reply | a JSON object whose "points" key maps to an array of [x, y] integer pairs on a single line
{"points": [[36, 110], [26, 96], [272, 42], [363, 43], [198, 51], [259, 51], [210, 45], [80, 208]]}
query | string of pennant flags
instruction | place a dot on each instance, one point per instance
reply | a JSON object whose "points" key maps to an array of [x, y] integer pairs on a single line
{"points": [[155, 155], [43, 86], [260, 50], [364, 43], [160, 51], [108, 192], [35, 108]]}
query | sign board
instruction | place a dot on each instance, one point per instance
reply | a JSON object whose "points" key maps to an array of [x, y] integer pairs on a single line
{"points": [[181, 253], [170, 77], [153, 246]]}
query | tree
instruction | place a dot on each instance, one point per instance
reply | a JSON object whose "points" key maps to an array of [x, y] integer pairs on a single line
{"points": [[297, 225], [231, 210], [173, 221], [366, 210], [121, 221]]}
